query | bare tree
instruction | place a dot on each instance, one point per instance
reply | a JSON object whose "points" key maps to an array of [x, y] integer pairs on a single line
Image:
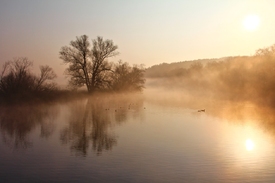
{"points": [[16, 80], [77, 55], [16, 77], [3, 74], [46, 74], [127, 78], [88, 66], [100, 52], [269, 51]]}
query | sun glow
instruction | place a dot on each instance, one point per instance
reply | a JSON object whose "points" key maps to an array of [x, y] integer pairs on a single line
{"points": [[249, 145], [251, 22]]}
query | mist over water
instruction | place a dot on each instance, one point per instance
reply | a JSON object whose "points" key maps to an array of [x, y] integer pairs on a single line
{"points": [[233, 87], [241, 79], [155, 136], [234, 94], [212, 122], [239, 112]]}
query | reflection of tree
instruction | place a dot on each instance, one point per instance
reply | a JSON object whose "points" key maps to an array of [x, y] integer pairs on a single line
{"points": [[16, 122], [100, 120], [90, 122], [76, 131]]}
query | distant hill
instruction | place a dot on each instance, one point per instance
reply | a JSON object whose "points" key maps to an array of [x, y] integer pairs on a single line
{"points": [[165, 69]]}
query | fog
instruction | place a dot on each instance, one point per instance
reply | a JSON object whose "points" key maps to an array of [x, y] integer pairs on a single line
{"points": [[238, 79], [238, 89]]}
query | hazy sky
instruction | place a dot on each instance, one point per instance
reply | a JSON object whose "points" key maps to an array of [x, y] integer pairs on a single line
{"points": [[146, 31]]}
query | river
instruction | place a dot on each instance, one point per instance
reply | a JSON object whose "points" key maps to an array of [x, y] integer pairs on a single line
{"points": [[137, 138]]}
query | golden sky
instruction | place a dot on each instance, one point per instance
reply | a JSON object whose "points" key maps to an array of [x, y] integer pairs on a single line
{"points": [[146, 31]]}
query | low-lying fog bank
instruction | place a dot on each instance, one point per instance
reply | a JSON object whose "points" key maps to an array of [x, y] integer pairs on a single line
{"points": [[240, 112], [240, 79], [236, 88]]}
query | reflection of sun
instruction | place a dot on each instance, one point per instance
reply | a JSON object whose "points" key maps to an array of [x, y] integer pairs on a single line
{"points": [[249, 144], [251, 22]]}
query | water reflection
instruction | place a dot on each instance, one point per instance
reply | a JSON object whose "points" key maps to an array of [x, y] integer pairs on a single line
{"points": [[91, 121], [260, 117], [88, 121], [16, 122], [169, 142], [246, 131], [240, 113]]}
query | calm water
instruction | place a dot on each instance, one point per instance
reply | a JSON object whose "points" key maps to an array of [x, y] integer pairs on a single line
{"points": [[136, 139]]}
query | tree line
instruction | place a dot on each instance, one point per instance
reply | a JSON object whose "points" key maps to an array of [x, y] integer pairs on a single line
{"points": [[88, 66], [17, 82]]}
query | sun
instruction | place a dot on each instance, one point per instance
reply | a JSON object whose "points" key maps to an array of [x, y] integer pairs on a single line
{"points": [[251, 22], [249, 144]]}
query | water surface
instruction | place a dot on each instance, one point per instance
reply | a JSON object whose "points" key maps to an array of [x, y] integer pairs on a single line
{"points": [[132, 138]]}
